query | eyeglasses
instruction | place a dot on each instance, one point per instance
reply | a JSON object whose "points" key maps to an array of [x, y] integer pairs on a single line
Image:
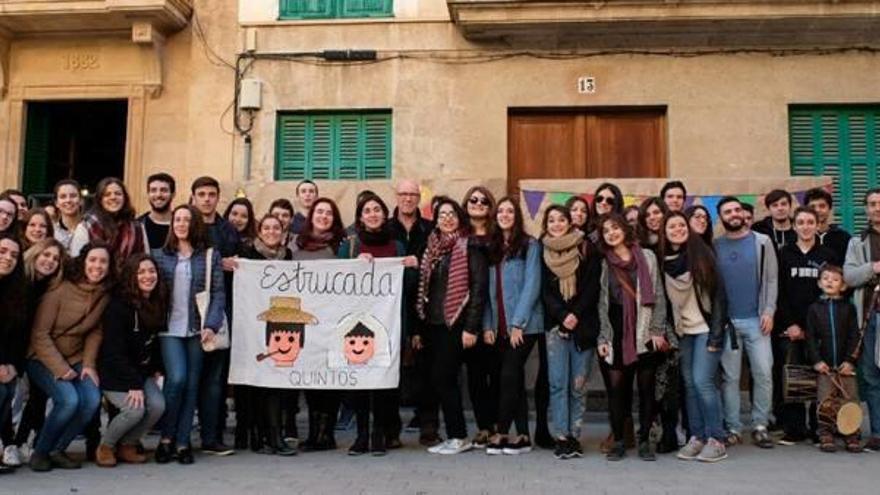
{"points": [[480, 201], [7, 213], [609, 200], [408, 195], [446, 214]]}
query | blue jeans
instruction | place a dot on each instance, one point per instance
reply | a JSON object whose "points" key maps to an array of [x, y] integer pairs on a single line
{"points": [[569, 372], [183, 365], [871, 376], [698, 368], [760, 353], [212, 396], [74, 404]]}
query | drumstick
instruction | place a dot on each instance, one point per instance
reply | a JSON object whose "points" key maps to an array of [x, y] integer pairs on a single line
{"points": [[261, 356]]}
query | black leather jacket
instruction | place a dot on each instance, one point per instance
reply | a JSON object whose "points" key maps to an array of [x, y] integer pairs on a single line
{"points": [[470, 319]]}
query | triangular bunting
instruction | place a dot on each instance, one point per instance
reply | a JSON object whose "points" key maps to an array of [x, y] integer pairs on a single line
{"points": [[533, 201], [801, 197]]}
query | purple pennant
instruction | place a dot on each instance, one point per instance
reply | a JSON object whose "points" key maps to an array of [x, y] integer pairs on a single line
{"points": [[801, 197], [688, 201], [533, 201]]}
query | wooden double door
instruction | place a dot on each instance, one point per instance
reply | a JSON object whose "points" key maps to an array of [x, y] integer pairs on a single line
{"points": [[585, 143]]}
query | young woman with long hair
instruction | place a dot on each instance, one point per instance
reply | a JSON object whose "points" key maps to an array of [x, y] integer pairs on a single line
{"points": [[65, 340], [700, 222], [512, 321], [697, 300], [130, 360], [320, 239], [13, 332], [570, 293], [111, 221], [68, 202], [183, 266], [632, 312], [452, 291], [240, 214], [37, 225]]}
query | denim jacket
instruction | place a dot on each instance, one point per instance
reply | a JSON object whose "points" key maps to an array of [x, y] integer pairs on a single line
{"points": [[521, 284], [167, 261]]}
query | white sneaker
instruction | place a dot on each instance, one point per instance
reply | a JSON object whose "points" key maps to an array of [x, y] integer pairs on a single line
{"points": [[435, 449], [456, 446], [11, 456]]}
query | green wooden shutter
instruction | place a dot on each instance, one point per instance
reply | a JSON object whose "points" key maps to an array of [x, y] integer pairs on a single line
{"points": [[377, 146], [291, 155], [307, 9], [350, 149], [843, 143], [366, 8], [36, 151], [321, 147], [331, 146]]}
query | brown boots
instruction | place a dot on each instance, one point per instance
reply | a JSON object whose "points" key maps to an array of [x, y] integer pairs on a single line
{"points": [[130, 454], [104, 456], [629, 436]]}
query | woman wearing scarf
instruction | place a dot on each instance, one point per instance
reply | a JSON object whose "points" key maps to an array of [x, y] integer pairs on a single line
{"points": [[111, 221], [697, 301], [570, 293], [373, 239], [452, 291], [319, 240], [632, 312], [263, 423]]}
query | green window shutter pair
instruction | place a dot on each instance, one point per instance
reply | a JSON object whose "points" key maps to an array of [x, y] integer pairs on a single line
{"points": [[842, 142], [353, 146], [329, 9]]}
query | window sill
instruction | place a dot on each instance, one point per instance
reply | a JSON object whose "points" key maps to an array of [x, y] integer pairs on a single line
{"points": [[343, 21]]}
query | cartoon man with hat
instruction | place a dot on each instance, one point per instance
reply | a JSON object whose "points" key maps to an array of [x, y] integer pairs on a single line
{"points": [[285, 330]]}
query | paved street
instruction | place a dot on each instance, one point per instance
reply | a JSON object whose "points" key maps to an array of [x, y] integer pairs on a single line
{"points": [[800, 470]]}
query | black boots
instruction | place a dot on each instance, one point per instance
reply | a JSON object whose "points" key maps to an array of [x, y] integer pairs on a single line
{"points": [[322, 429]]}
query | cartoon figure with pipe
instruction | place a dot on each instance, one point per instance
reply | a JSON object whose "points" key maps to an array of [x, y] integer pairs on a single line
{"points": [[285, 330]]}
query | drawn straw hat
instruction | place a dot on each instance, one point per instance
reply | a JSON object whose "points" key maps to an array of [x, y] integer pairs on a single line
{"points": [[283, 309]]}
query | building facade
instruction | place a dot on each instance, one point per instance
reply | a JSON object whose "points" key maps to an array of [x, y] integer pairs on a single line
{"points": [[448, 91]]}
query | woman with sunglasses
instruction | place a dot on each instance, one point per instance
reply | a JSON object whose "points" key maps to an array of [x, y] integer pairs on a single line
{"points": [[483, 360]]}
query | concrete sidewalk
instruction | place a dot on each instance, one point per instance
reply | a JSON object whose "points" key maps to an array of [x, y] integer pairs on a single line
{"points": [[799, 470]]}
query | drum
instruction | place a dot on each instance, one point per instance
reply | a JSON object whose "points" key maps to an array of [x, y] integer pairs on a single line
{"points": [[837, 412], [798, 384]]}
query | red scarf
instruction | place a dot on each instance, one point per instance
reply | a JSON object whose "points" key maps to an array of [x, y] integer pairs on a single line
{"points": [[127, 238], [458, 284]]}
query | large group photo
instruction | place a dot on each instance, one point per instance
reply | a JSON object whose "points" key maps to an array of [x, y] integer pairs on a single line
{"points": [[125, 329]]}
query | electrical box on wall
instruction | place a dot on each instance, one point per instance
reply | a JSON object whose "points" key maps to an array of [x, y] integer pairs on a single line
{"points": [[250, 96]]}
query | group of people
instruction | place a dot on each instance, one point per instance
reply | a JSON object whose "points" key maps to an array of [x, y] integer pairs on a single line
{"points": [[107, 308]]}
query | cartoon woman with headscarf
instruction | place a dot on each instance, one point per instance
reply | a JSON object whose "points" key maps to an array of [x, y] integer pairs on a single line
{"points": [[361, 341], [285, 330]]}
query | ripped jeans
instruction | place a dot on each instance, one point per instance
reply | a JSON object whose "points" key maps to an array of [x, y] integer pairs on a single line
{"points": [[569, 372]]}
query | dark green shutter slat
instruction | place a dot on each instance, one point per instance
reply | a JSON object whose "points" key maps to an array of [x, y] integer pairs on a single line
{"points": [[331, 146], [349, 153], [292, 154], [377, 146], [36, 151], [366, 8], [307, 9], [321, 147], [842, 143]]}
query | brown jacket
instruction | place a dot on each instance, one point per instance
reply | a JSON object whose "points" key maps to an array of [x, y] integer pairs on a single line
{"points": [[67, 327]]}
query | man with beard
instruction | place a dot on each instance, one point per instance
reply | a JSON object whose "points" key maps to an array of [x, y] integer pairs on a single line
{"points": [[748, 269], [160, 193], [862, 272]]}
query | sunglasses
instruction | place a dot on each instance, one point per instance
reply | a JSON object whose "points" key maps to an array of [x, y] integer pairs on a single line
{"points": [[479, 201], [605, 199]]}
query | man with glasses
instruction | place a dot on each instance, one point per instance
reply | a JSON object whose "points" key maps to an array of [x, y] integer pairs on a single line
{"points": [[408, 227], [20, 201]]}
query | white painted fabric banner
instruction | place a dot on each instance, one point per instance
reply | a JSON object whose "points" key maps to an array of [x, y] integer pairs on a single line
{"points": [[328, 324]]}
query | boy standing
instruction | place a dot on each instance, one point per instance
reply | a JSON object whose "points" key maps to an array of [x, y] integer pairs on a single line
{"points": [[834, 344]]}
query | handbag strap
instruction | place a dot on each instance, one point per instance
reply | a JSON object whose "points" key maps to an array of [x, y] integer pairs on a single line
{"points": [[209, 265]]}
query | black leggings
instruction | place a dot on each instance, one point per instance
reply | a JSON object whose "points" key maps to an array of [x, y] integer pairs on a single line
{"points": [[512, 402], [542, 389], [483, 376], [620, 384], [381, 403], [444, 351]]}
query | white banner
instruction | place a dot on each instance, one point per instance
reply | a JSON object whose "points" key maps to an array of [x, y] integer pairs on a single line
{"points": [[329, 324]]}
